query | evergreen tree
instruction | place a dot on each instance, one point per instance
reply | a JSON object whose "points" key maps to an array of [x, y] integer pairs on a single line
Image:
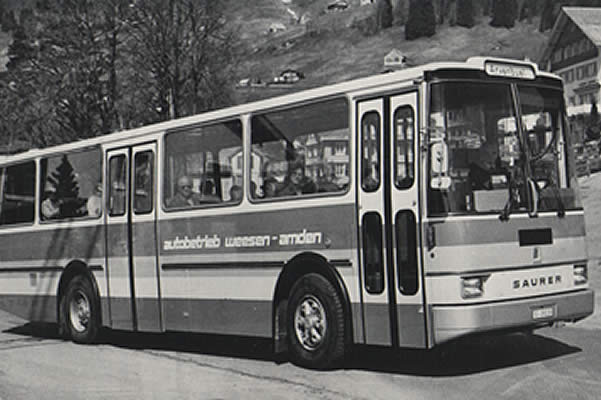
{"points": [[465, 13], [504, 13], [399, 11], [421, 21], [19, 51], [9, 22], [66, 188], [384, 14], [547, 18]]}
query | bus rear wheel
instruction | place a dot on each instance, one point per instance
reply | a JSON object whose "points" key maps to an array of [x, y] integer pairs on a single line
{"points": [[81, 311], [315, 323]]}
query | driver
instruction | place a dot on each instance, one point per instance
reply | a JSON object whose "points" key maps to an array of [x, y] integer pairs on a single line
{"points": [[482, 167]]}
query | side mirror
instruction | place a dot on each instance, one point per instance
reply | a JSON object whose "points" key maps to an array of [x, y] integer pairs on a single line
{"points": [[439, 158], [439, 165]]}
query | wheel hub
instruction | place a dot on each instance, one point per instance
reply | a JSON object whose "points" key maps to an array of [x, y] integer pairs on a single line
{"points": [[79, 311], [310, 323]]}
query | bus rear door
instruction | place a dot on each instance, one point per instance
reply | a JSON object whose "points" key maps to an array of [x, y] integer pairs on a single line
{"points": [[392, 291], [131, 239]]}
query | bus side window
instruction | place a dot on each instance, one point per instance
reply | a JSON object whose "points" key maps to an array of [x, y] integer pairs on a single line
{"points": [[370, 151], [404, 121], [71, 185], [18, 188], [117, 179], [143, 182], [301, 151], [204, 166]]}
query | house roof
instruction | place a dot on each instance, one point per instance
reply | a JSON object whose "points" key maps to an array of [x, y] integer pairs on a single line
{"points": [[588, 19]]}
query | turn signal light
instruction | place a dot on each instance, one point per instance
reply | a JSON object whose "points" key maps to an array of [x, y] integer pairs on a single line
{"points": [[580, 274], [472, 287]]}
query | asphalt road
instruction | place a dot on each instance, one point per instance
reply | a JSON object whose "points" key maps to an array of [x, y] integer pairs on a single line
{"points": [[553, 363]]}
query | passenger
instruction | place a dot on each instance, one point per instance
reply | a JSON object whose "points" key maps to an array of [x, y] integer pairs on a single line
{"points": [[51, 206], [484, 166], [207, 193], [270, 188], [236, 193], [297, 183], [327, 183], [94, 204], [184, 196]]}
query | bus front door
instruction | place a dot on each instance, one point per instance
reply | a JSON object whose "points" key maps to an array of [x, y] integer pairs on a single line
{"points": [[131, 239], [392, 291]]}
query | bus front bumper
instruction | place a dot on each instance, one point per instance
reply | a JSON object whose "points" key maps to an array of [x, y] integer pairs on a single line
{"points": [[450, 322]]}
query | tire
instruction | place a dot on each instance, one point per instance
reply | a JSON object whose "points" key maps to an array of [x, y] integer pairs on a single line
{"points": [[316, 334], [82, 313]]}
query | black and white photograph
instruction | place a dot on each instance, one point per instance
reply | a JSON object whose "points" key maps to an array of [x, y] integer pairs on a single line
{"points": [[300, 199]]}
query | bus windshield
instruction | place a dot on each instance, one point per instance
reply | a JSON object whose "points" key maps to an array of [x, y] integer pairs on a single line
{"points": [[500, 157]]}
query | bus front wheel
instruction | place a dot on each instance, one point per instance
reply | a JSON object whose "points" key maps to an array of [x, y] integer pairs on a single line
{"points": [[81, 311], [315, 323]]}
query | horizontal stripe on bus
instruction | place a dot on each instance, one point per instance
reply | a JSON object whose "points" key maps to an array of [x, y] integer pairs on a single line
{"points": [[42, 269], [467, 257], [241, 265], [540, 297], [491, 231], [502, 269]]}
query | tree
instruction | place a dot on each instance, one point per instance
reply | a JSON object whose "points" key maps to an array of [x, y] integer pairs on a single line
{"points": [[399, 10], [9, 22], [86, 68], [504, 13], [20, 50], [181, 55], [421, 21], [384, 14], [547, 18], [65, 82], [465, 13], [66, 189]]}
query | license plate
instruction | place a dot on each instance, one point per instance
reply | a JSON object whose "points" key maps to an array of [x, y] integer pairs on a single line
{"points": [[543, 313]]}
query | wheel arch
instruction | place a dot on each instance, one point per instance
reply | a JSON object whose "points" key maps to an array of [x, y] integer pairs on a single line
{"points": [[74, 269], [304, 263]]}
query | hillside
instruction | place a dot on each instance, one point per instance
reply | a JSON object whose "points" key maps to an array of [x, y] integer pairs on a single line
{"points": [[327, 54], [330, 47]]}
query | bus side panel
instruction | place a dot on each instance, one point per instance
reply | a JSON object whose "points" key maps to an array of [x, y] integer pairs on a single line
{"points": [[146, 276], [33, 262], [219, 273]]}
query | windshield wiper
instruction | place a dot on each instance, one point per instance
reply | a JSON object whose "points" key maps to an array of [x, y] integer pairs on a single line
{"points": [[504, 216], [514, 193]]}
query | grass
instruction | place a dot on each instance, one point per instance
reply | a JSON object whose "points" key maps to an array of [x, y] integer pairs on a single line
{"points": [[327, 57]]}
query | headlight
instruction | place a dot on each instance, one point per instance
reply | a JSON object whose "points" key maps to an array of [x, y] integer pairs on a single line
{"points": [[580, 274], [472, 287]]}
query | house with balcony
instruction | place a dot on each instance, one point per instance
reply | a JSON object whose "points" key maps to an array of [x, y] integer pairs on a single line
{"points": [[573, 52]]}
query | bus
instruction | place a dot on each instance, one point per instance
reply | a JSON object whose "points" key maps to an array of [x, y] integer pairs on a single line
{"points": [[404, 210]]}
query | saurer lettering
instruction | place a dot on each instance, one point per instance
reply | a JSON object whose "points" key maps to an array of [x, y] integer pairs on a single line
{"points": [[537, 282]]}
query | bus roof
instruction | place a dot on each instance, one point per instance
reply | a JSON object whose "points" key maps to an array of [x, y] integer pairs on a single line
{"points": [[347, 87]]}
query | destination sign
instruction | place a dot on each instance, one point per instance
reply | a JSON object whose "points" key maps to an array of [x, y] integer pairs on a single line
{"points": [[509, 70]]}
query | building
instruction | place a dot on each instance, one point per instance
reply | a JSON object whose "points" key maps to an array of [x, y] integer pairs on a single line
{"points": [[288, 76], [338, 5], [327, 154], [573, 52], [395, 59]]}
